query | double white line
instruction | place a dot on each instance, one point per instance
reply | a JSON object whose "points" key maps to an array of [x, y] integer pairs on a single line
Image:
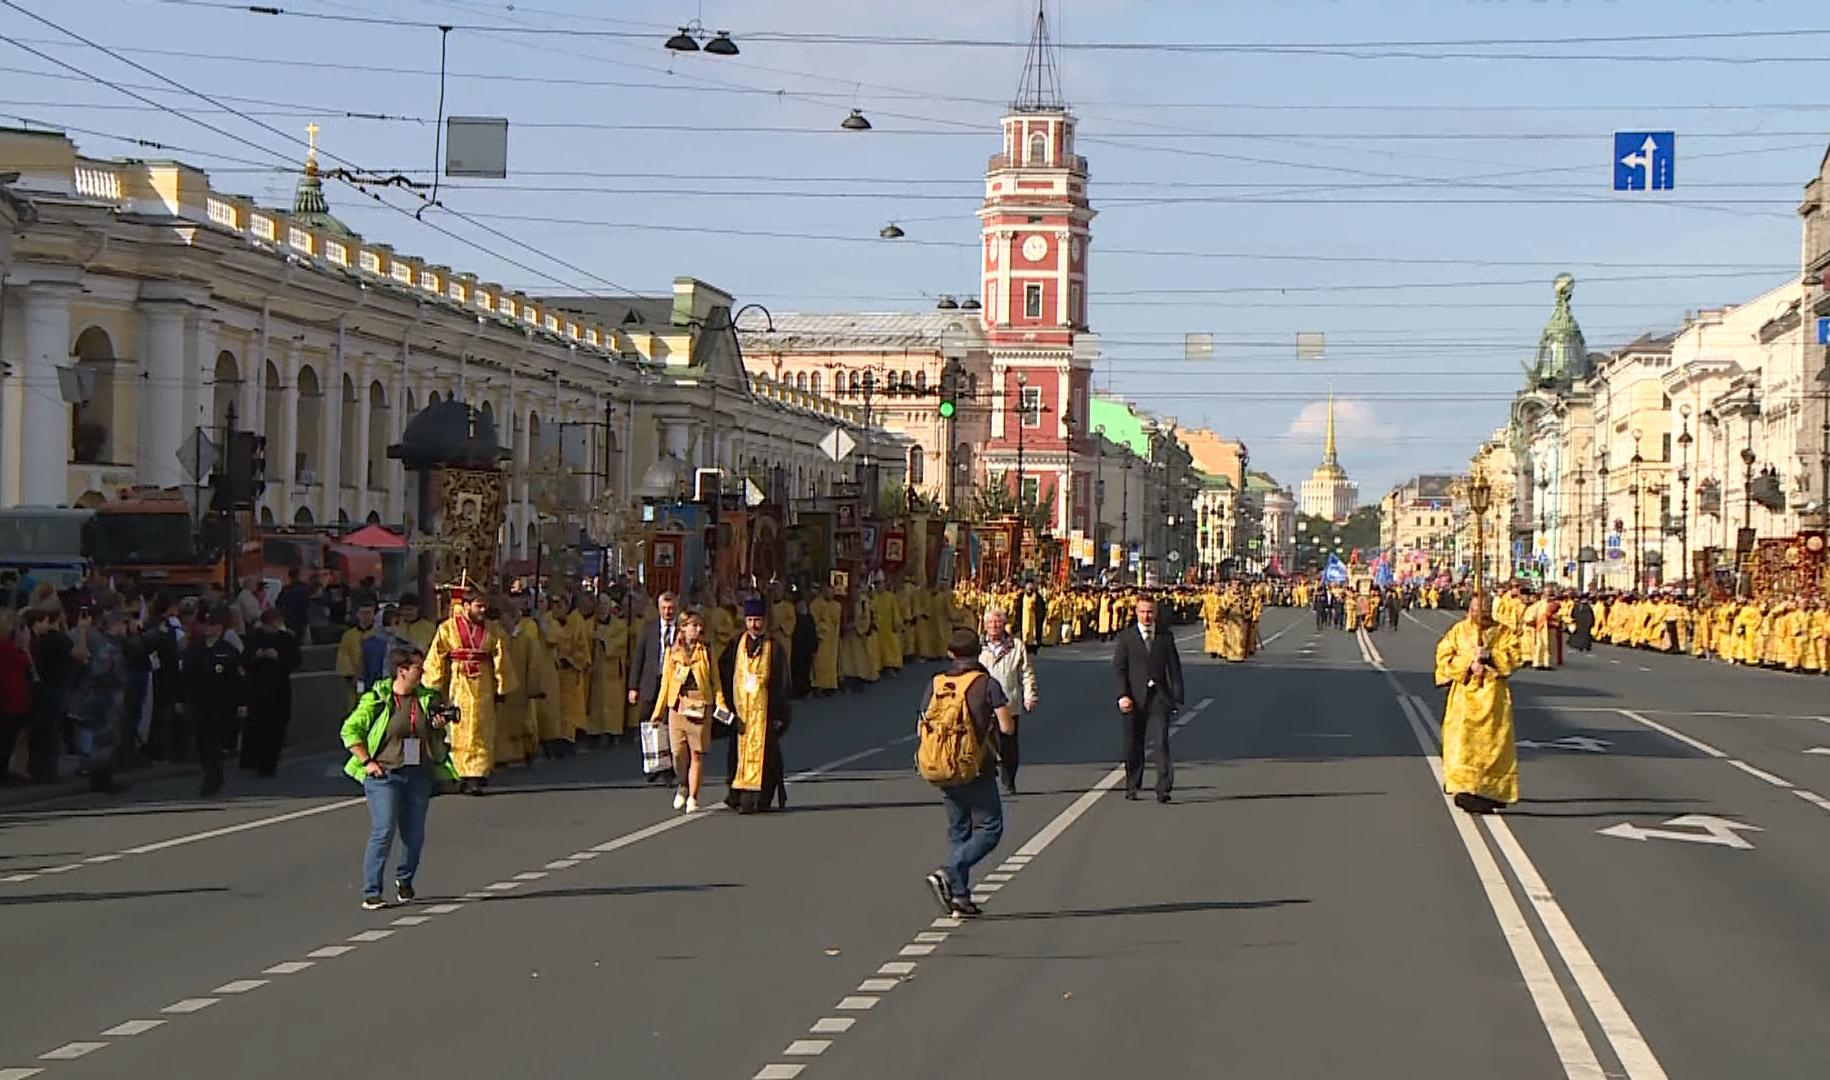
{"points": [[1571, 1043]]}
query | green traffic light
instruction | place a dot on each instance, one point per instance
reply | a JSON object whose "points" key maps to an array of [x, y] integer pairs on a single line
{"points": [[946, 410]]}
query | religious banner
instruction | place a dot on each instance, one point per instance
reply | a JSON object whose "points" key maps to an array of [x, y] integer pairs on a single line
{"points": [[470, 514], [895, 548], [666, 552], [1789, 568]]}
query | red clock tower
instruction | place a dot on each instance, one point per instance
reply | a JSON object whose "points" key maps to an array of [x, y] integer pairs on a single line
{"points": [[1035, 225]]}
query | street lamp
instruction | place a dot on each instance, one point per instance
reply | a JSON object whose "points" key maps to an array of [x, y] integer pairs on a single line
{"points": [[688, 37], [1480, 499], [1582, 527], [1684, 441], [1639, 534], [1544, 524], [1022, 414]]}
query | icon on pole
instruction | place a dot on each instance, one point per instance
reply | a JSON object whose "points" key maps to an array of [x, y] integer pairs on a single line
{"points": [[1645, 160]]}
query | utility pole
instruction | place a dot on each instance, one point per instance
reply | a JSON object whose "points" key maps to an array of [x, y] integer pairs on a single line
{"points": [[231, 553]]}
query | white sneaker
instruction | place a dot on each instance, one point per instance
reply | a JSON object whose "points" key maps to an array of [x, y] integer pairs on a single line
{"points": [[692, 806], [679, 800]]}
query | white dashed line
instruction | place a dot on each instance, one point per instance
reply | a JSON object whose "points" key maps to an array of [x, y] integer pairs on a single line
{"points": [[897, 967], [502, 886], [71, 1051], [14, 879], [1813, 798], [411, 920], [370, 935], [931, 937], [290, 967], [132, 1027], [64, 869], [330, 952], [102, 858], [441, 909], [532, 875], [779, 1072], [915, 950], [807, 1047], [190, 1005], [240, 986], [832, 1025], [562, 864], [18, 1074], [1760, 774], [857, 1003]]}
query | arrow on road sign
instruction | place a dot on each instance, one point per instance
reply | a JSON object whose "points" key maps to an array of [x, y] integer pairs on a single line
{"points": [[1715, 831], [838, 444], [1569, 742], [1645, 160]]}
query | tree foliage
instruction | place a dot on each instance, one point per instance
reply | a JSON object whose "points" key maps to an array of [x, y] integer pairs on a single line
{"points": [[995, 497]]}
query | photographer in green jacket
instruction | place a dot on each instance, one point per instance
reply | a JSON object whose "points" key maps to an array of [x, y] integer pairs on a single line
{"points": [[399, 753]]}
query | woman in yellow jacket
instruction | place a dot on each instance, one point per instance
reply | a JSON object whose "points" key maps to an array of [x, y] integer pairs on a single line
{"points": [[690, 696]]}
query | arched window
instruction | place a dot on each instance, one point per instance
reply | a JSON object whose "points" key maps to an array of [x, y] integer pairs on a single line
{"points": [[918, 472], [376, 468], [225, 384], [857, 383], [921, 380], [92, 421], [813, 383], [310, 422], [1038, 149]]}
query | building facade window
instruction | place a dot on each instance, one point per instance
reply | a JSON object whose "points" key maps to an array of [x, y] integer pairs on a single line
{"points": [[1032, 300], [1038, 149], [918, 471], [1032, 490], [1031, 406]]}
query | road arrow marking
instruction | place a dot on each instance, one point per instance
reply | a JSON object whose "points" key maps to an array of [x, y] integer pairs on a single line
{"points": [[1715, 831]]}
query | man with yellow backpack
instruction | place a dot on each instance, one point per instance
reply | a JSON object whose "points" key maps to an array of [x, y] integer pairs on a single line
{"points": [[954, 753]]}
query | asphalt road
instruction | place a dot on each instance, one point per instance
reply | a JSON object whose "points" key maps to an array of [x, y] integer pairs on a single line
{"points": [[1307, 907]]}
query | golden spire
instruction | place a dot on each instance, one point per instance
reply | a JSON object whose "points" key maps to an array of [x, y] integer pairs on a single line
{"points": [[1328, 455]]}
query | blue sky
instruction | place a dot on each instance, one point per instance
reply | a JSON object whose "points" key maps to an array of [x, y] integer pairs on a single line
{"points": [[1394, 199]]}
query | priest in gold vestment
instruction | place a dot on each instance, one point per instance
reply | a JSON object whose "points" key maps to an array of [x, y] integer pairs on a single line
{"points": [[1475, 660], [754, 672], [469, 666]]}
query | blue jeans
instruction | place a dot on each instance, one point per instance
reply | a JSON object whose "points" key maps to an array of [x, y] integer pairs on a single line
{"points": [[397, 800], [975, 824]]}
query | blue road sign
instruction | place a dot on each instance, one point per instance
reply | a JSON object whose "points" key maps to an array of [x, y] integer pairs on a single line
{"points": [[1645, 160], [1823, 331]]}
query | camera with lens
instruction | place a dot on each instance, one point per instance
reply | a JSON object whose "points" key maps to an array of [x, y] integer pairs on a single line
{"points": [[450, 714]]}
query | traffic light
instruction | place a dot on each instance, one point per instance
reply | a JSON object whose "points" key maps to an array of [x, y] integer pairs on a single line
{"points": [[949, 390], [243, 476]]}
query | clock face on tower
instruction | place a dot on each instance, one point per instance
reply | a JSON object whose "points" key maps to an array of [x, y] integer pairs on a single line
{"points": [[1034, 247]]}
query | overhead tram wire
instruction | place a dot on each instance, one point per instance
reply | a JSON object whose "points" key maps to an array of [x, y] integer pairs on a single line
{"points": [[13, 4], [913, 41]]}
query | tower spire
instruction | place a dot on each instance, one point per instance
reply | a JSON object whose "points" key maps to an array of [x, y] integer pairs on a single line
{"points": [[1328, 454], [1040, 88]]}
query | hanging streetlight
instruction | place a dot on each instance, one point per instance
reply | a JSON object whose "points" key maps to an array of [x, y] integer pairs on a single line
{"points": [[971, 303], [856, 121], [721, 45], [892, 231], [683, 41], [947, 303]]}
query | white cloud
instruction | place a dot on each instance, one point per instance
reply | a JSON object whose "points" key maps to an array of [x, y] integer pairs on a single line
{"points": [[1353, 420]]}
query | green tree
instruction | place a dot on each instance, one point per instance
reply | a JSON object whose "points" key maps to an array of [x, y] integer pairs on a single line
{"points": [[994, 498]]}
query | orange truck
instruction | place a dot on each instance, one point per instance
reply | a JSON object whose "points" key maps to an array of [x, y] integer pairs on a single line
{"points": [[148, 533]]}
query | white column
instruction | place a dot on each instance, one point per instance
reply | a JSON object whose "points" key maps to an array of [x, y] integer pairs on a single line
{"points": [[44, 422], [330, 427], [281, 459], [199, 390], [163, 367], [361, 446]]}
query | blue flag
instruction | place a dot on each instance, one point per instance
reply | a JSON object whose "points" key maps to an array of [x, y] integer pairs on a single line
{"points": [[1335, 573]]}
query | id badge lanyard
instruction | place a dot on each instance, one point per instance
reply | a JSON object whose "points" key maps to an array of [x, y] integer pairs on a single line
{"points": [[409, 747]]}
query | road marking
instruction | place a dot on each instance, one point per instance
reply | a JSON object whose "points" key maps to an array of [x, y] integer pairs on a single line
{"points": [[897, 967], [1819, 750], [857, 1003], [190, 1005], [132, 1027], [876, 986], [330, 952], [1566, 1036], [807, 1047], [411, 920], [370, 935], [1776, 781], [931, 937], [289, 967], [562, 864], [1568, 742], [240, 986], [918, 950], [504, 886], [71, 1051], [18, 1074], [230, 830], [110, 857], [1813, 798], [1716, 830], [832, 1025], [1694, 744], [532, 875], [779, 1072], [442, 909]]}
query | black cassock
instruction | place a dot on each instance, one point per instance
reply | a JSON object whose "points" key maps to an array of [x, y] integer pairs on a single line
{"points": [[1583, 637]]}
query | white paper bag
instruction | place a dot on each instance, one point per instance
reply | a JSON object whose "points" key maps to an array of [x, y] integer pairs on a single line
{"points": [[657, 755]]}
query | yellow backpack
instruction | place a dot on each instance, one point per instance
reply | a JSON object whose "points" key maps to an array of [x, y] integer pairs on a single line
{"points": [[950, 750]]}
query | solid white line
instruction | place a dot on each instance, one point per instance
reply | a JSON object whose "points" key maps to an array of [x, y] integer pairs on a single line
{"points": [[832, 1025], [64, 869], [1761, 774], [1623, 1035], [229, 830], [11, 879], [132, 1027], [1566, 1036], [110, 857], [1694, 744], [71, 1051]]}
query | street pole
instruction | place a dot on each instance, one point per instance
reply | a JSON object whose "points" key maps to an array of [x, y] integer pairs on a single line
{"points": [[1684, 503], [1582, 529], [1016, 559], [230, 561]]}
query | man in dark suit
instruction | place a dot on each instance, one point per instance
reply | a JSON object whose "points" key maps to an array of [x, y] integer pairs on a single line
{"points": [[647, 664], [1149, 692]]}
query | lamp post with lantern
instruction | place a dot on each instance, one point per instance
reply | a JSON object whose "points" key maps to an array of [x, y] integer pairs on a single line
{"points": [[1683, 476], [1480, 500]]}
